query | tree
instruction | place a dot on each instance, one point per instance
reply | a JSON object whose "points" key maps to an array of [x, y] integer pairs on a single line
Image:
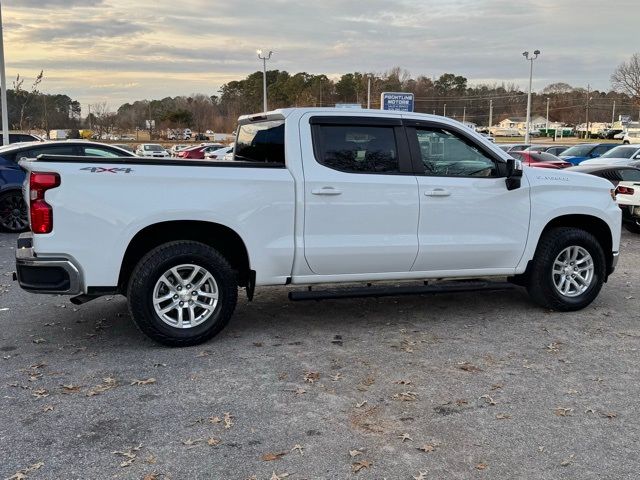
{"points": [[626, 78], [23, 97]]}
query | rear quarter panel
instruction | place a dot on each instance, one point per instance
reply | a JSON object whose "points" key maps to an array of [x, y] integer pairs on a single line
{"points": [[97, 214]]}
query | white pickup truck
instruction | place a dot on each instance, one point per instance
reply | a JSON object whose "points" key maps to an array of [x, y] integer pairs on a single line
{"points": [[312, 196]]}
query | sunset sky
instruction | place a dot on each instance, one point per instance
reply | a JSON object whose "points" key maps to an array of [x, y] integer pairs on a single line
{"points": [[122, 50]]}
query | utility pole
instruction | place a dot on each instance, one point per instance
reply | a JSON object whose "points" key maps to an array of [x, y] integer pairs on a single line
{"points": [[464, 114], [530, 59], [586, 133], [613, 114], [264, 59], [89, 117], [444, 112], [547, 127], [368, 91], [3, 85], [490, 115]]}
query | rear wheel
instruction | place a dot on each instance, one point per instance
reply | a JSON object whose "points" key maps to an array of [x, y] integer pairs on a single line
{"points": [[567, 271], [13, 212], [182, 293]]}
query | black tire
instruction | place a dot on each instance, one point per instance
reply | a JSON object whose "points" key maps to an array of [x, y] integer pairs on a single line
{"points": [[541, 287], [154, 265], [632, 227], [13, 212]]}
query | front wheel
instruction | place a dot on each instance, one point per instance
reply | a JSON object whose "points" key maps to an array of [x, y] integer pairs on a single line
{"points": [[182, 293], [568, 270]]}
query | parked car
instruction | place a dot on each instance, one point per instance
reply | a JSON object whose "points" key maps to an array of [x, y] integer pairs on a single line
{"points": [[620, 155], [552, 149], [631, 137], [585, 151], [13, 209], [609, 133], [218, 154], [330, 202], [626, 179], [20, 137], [175, 149], [507, 147], [199, 152], [540, 159], [151, 150], [124, 146]]}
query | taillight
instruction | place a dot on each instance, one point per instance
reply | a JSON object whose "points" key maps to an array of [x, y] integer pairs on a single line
{"points": [[41, 212], [624, 190]]}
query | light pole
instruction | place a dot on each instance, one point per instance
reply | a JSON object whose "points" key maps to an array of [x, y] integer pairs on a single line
{"points": [[3, 82], [530, 59], [264, 59]]}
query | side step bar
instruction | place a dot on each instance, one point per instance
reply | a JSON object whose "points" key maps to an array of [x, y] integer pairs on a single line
{"points": [[389, 291]]}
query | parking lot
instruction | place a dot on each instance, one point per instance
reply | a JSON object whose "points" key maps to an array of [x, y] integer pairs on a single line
{"points": [[480, 385]]}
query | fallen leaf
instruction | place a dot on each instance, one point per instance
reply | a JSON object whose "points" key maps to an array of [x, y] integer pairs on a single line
{"points": [[279, 476], [421, 476], [496, 386], [109, 383], [38, 340], [191, 442], [70, 388], [563, 412], [204, 353], [150, 476], [405, 396], [481, 466], [609, 414], [22, 474], [228, 420], [355, 453], [503, 416], [47, 408], [336, 377], [270, 457], [298, 448], [311, 377], [488, 399], [567, 461], [40, 393], [148, 381], [403, 382], [213, 442], [427, 447], [357, 466], [469, 367], [361, 404], [405, 437]]}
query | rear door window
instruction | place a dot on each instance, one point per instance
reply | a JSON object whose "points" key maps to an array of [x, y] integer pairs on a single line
{"points": [[48, 150], [261, 142], [99, 152], [357, 148], [628, 175]]}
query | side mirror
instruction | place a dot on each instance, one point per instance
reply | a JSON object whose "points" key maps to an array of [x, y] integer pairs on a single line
{"points": [[514, 174]]}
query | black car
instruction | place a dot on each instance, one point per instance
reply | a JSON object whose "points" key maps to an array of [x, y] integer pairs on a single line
{"points": [[13, 209], [616, 174], [20, 137]]}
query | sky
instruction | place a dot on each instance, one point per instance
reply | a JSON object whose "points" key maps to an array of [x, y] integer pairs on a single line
{"points": [[116, 51]]}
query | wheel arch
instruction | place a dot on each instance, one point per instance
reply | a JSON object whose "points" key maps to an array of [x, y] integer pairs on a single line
{"points": [[218, 236], [591, 224]]}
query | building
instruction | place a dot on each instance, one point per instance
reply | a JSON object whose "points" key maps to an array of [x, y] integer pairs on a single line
{"points": [[520, 123]]}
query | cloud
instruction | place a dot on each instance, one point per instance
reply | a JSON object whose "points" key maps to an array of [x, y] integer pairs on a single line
{"points": [[164, 47]]}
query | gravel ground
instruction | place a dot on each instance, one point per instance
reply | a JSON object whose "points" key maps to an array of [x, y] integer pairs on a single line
{"points": [[480, 385]]}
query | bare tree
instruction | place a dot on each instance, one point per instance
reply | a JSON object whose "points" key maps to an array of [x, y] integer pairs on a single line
{"points": [[24, 97], [104, 120], [626, 77]]}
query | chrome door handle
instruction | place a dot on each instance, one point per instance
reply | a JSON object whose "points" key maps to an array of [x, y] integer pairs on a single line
{"points": [[437, 192], [326, 191]]}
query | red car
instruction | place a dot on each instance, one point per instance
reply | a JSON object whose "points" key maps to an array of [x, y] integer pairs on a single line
{"points": [[540, 159], [197, 152]]}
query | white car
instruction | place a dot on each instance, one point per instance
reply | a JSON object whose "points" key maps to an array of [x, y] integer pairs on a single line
{"points": [[346, 196], [621, 155], [178, 148], [631, 137], [151, 150], [218, 154]]}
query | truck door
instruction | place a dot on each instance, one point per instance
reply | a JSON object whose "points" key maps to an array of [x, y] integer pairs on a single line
{"points": [[361, 196], [469, 220]]}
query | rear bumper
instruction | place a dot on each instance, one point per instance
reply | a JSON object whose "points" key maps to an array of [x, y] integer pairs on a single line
{"points": [[45, 274]]}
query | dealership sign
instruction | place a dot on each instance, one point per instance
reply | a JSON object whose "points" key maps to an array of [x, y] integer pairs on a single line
{"points": [[396, 101]]}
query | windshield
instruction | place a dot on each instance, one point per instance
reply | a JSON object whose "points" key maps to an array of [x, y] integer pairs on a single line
{"points": [[153, 148], [578, 151], [620, 152]]}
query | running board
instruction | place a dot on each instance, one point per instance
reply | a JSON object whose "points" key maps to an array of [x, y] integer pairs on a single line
{"points": [[388, 291]]}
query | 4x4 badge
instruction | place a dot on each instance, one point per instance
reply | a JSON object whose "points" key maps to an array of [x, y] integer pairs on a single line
{"points": [[107, 170]]}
